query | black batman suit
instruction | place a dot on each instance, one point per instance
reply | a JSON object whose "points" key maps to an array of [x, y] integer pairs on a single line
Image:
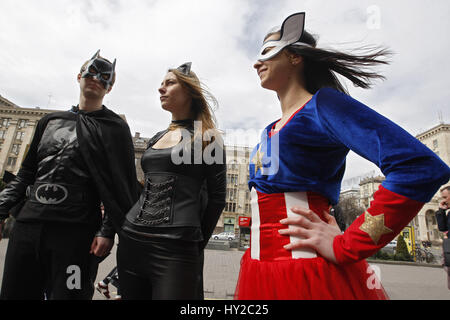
{"points": [[75, 161], [55, 178]]}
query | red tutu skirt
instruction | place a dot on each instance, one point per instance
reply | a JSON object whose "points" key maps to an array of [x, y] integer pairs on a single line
{"points": [[269, 272], [306, 279]]}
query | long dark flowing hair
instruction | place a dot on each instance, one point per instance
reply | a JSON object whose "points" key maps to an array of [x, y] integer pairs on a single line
{"points": [[321, 66]]}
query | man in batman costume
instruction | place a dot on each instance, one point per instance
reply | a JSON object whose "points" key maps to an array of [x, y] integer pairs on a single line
{"points": [[77, 159]]}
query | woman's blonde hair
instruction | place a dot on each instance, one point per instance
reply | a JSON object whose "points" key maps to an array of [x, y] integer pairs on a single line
{"points": [[202, 105]]}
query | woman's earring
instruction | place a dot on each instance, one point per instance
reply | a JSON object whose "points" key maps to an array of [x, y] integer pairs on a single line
{"points": [[293, 62]]}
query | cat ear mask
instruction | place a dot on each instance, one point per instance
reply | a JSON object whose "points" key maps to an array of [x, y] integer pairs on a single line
{"points": [[185, 68], [100, 69], [291, 32]]}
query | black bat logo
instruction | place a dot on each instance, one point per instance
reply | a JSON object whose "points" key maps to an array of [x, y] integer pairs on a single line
{"points": [[51, 193]]}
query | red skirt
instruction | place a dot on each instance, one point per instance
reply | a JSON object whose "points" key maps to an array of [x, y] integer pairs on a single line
{"points": [[269, 272]]}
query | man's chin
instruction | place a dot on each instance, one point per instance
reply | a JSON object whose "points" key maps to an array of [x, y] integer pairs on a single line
{"points": [[93, 94]]}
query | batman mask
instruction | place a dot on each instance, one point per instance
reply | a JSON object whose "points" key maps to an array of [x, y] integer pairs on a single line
{"points": [[100, 69]]}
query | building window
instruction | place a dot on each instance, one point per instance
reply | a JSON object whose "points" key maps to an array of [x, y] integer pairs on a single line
{"points": [[247, 208], [230, 207], [2, 134], [231, 194], [233, 165], [233, 179], [228, 224], [5, 122], [11, 161], [435, 143], [16, 148], [20, 135], [22, 123]]}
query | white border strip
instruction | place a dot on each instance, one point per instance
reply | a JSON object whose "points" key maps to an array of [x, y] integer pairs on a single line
{"points": [[298, 199], [255, 245]]}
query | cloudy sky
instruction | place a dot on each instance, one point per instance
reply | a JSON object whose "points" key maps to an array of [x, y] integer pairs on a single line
{"points": [[44, 43]]}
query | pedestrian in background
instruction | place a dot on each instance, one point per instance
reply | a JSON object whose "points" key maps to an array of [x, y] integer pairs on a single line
{"points": [[443, 221]]}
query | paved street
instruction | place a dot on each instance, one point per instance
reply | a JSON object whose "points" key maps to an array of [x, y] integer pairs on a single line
{"points": [[222, 267]]}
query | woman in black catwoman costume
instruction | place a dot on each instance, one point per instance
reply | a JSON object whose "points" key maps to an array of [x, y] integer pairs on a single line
{"points": [[160, 253]]}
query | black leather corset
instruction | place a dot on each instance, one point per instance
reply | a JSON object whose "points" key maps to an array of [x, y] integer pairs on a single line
{"points": [[168, 200], [157, 199]]}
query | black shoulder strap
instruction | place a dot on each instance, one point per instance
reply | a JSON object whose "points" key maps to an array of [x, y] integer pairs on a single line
{"points": [[156, 137]]}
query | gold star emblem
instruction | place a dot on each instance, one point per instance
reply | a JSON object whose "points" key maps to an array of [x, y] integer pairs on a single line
{"points": [[374, 226], [257, 159]]}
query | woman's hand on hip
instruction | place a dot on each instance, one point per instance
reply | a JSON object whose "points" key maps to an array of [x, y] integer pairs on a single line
{"points": [[315, 233]]}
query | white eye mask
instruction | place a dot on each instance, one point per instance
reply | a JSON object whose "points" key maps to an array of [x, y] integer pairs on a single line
{"points": [[291, 31]]}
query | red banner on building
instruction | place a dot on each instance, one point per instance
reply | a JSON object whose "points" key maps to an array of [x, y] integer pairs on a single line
{"points": [[244, 221]]}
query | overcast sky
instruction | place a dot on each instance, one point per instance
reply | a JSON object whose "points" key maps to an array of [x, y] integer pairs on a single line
{"points": [[44, 43]]}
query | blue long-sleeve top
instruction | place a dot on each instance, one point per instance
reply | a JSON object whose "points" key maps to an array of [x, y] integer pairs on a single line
{"points": [[309, 152]]}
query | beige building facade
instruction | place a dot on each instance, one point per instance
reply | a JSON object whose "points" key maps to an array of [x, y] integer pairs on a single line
{"points": [[140, 145], [438, 140], [351, 195], [17, 126], [368, 187], [238, 195]]}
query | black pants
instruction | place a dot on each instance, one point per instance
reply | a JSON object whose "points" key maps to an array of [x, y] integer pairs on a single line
{"points": [[48, 261], [159, 269]]}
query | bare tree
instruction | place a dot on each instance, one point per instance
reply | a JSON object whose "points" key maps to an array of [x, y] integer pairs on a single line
{"points": [[348, 209]]}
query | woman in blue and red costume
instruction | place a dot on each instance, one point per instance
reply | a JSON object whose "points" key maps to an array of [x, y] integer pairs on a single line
{"points": [[297, 250]]}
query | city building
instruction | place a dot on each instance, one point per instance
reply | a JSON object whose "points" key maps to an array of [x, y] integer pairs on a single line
{"points": [[235, 216], [140, 145], [368, 186], [349, 205], [425, 225], [352, 193], [17, 126]]}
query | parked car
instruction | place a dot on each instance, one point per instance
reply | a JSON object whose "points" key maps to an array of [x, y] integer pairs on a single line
{"points": [[224, 236], [391, 245]]}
